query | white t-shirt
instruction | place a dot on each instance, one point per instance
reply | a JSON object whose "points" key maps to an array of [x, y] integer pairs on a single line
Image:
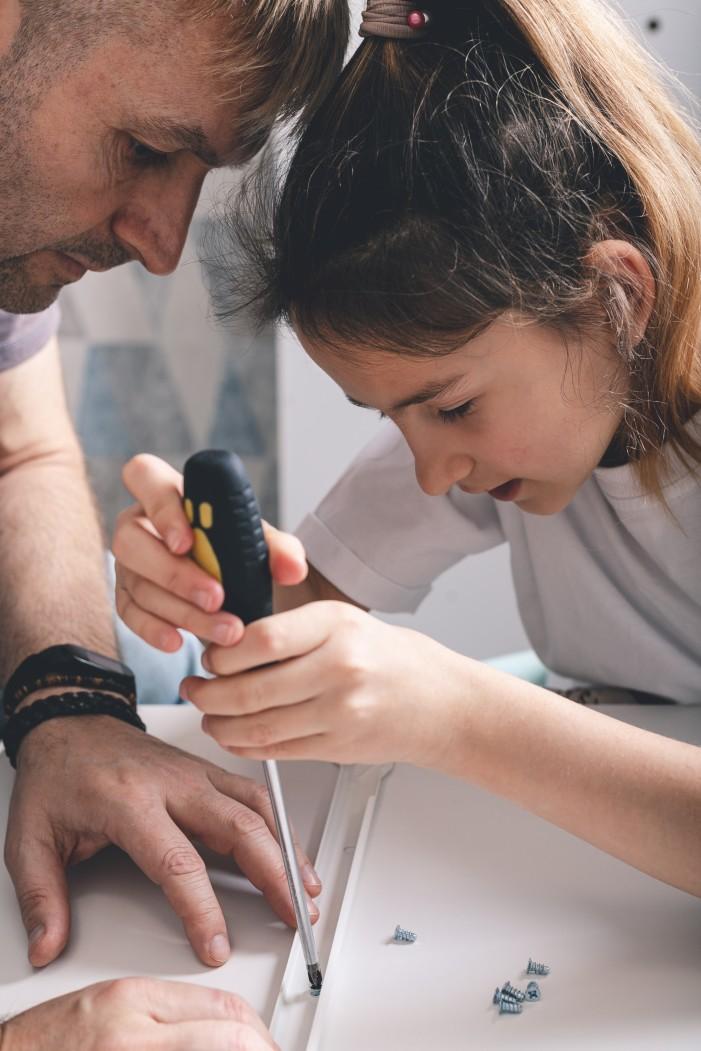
{"points": [[609, 590], [23, 335]]}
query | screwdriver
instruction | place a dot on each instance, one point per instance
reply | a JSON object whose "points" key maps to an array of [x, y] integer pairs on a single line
{"points": [[229, 544]]}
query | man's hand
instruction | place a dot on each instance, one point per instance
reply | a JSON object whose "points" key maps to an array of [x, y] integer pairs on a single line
{"points": [[139, 1013], [159, 589], [83, 783]]}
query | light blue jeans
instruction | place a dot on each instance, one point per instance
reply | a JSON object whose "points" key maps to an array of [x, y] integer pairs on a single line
{"points": [[157, 674]]}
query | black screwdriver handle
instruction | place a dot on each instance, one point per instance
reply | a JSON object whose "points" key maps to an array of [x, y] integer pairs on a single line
{"points": [[223, 511]]}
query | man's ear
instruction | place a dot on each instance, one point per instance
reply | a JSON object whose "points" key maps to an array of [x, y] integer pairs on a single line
{"points": [[626, 264]]}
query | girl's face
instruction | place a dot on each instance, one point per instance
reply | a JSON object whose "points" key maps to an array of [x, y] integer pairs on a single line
{"points": [[515, 412]]}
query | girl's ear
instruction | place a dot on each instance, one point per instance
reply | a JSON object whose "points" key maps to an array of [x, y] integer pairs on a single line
{"points": [[628, 267]]}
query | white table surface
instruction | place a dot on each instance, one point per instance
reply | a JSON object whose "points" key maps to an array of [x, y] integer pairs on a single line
{"points": [[122, 924], [483, 883]]}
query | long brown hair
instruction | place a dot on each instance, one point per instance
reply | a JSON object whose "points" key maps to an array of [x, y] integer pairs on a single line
{"points": [[448, 180]]}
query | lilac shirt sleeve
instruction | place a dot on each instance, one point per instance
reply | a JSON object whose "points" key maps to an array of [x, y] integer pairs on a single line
{"points": [[22, 335]]}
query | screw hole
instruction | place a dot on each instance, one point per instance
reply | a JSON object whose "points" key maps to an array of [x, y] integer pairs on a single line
{"points": [[653, 25]]}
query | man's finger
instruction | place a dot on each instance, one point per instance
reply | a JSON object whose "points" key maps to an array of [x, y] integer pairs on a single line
{"points": [[256, 796], [228, 827], [39, 879], [172, 1002], [170, 860], [215, 1036]]}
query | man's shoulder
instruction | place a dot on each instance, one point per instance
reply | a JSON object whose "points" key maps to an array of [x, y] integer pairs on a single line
{"points": [[22, 335]]}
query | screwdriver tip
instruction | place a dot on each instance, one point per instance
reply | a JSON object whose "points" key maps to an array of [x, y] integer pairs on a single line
{"points": [[315, 979]]}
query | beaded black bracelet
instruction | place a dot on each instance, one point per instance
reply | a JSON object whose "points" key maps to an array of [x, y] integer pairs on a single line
{"points": [[58, 706], [70, 667]]}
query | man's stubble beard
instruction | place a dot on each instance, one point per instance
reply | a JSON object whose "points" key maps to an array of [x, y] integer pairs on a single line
{"points": [[28, 214]]}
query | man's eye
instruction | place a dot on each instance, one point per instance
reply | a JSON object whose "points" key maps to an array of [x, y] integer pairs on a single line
{"points": [[144, 156], [449, 415]]}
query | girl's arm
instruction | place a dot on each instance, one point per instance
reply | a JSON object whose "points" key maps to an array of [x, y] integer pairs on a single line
{"points": [[328, 681], [630, 792], [315, 588]]}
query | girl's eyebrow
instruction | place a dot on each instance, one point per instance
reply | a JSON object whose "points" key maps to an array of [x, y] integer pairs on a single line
{"points": [[431, 390]]}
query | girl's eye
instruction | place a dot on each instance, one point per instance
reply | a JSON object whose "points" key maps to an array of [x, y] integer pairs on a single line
{"points": [[143, 156], [449, 415]]}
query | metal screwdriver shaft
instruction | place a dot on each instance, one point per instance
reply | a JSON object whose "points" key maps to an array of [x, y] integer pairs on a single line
{"points": [[294, 879], [229, 544]]}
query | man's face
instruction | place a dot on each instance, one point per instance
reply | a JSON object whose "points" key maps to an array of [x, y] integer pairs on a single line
{"points": [[515, 412], [109, 164]]}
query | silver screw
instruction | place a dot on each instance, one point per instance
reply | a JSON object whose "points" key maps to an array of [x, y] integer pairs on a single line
{"points": [[537, 968], [512, 992], [400, 935], [509, 1007], [533, 991], [502, 994]]}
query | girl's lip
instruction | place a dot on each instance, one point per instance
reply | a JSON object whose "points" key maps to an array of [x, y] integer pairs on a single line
{"points": [[507, 491]]}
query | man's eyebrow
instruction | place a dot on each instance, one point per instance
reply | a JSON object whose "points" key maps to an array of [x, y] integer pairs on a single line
{"points": [[184, 136], [431, 390]]}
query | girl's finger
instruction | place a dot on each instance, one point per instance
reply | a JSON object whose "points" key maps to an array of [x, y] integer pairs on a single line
{"points": [[269, 728], [314, 747], [288, 562], [157, 633], [138, 550], [274, 686], [223, 628], [158, 487], [280, 637]]}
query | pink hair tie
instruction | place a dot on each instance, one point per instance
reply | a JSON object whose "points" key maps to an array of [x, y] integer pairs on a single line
{"points": [[394, 20]]}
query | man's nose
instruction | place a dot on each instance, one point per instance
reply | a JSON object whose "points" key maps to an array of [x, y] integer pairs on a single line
{"points": [[153, 222], [439, 469]]}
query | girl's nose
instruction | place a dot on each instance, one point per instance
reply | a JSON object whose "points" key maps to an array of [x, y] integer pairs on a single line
{"points": [[436, 473]]}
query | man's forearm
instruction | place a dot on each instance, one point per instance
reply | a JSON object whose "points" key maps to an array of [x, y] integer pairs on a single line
{"points": [[51, 560]]}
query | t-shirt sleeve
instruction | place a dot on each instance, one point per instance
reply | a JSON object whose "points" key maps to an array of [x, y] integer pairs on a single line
{"points": [[22, 335], [381, 540]]}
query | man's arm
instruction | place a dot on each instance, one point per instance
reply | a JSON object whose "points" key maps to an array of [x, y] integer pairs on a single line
{"points": [[84, 782], [52, 574]]}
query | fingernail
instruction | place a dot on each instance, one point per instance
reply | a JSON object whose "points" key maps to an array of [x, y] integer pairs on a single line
{"points": [[312, 909], [184, 691], [204, 599], [174, 540], [225, 634], [36, 934], [219, 948], [310, 876]]}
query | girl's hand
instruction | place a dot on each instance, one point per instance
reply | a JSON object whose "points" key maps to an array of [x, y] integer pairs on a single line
{"points": [[160, 589], [329, 681]]}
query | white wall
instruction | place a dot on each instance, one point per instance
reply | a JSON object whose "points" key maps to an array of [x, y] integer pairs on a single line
{"points": [[472, 608]]}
